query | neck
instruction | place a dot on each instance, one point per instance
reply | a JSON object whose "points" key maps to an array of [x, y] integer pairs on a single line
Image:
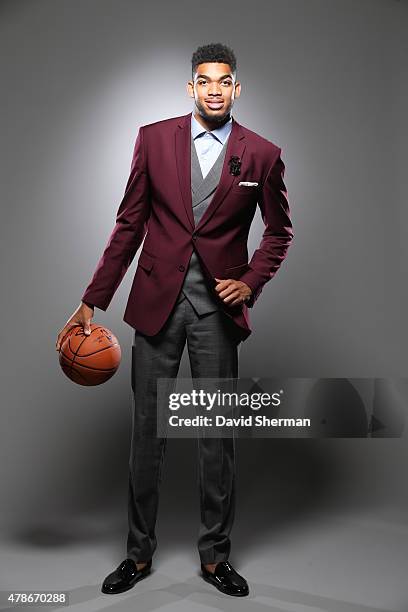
{"points": [[211, 125]]}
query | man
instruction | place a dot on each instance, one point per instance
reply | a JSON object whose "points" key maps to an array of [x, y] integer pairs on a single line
{"points": [[194, 185]]}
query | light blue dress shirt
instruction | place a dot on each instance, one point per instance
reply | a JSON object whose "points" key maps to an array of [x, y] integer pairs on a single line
{"points": [[209, 144]]}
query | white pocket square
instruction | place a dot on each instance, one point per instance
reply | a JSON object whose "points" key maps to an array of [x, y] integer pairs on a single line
{"points": [[247, 184]]}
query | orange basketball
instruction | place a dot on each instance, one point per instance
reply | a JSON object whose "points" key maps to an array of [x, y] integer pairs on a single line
{"points": [[90, 360]]}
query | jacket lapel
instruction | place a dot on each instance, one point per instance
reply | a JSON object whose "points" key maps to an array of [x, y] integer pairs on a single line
{"points": [[183, 161], [235, 146]]}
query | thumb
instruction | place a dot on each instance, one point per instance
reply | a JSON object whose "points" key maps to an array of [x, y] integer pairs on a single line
{"points": [[87, 328]]}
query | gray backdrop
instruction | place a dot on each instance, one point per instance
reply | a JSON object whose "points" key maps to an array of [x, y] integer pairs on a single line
{"points": [[326, 81]]}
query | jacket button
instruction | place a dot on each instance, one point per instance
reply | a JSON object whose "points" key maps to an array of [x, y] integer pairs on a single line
{"points": [[181, 268]]}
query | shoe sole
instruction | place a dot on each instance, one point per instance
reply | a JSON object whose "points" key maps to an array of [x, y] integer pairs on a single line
{"points": [[217, 586], [124, 589]]}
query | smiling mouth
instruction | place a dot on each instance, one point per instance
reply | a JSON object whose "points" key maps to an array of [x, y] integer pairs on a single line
{"points": [[214, 104]]}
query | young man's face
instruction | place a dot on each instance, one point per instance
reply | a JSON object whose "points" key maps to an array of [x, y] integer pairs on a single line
{"points": [[214, 90]]}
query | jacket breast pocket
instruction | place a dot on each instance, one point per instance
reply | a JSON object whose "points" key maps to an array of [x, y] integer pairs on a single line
{"points": [[245, 190], [146, 261]]}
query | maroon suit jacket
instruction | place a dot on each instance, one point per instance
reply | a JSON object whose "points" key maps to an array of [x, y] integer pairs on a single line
{"points": [[157, 206]]}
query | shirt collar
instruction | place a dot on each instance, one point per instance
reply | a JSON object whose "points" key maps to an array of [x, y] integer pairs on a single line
{"points": [[220, 133]]}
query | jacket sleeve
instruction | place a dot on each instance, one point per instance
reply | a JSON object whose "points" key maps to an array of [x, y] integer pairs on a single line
{"points": [[277, 235], [127, 235]]}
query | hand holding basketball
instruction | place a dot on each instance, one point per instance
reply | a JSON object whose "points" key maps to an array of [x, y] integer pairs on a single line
{"points": [[89, 359], [82, 316], [89, 353]]}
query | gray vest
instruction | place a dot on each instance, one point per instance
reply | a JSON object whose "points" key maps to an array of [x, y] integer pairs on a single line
{"points": [[194, 287]]}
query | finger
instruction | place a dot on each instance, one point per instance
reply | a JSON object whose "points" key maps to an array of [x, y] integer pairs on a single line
{"points": [[60, 339], [239, 300], [63, 333], [231, 296], [221, 283], [228, 290], [226, 282], [87, 328], [59, 342]]}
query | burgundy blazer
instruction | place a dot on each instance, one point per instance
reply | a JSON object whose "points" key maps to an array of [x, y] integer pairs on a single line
{"points": [[157, 206]]}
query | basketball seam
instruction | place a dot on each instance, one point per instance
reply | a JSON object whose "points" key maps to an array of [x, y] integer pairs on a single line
{"points": [[79, 346]]}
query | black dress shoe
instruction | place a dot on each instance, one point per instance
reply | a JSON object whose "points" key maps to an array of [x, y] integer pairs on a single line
{"points": [[226, 579], [125, 577]]}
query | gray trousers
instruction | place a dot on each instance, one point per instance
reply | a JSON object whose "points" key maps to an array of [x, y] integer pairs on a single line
{"points": [[213, 347]]}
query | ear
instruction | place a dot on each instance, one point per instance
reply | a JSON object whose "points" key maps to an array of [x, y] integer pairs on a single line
{"points": [[237, 89], [190, 89]]}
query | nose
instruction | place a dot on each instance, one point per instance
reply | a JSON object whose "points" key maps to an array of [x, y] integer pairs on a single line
{"points": [[214, 89]]}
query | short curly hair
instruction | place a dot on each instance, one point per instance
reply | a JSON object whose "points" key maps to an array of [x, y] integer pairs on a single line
{"points": [[213, 52]]}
